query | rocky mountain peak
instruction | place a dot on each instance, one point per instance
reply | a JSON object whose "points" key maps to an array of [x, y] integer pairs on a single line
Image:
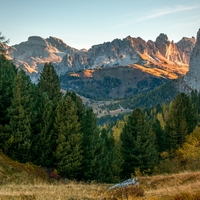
{"points": [[33, 53], [162, 38], [59, 44], [162, 43], [36, 40], [191, 80]]}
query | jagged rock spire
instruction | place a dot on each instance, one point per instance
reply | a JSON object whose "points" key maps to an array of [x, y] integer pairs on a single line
{"points": [[192, 78]]}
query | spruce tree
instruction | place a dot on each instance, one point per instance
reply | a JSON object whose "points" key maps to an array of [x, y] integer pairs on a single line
{"points": [[138, 145], [20, 113], [92, 146], [111, 157], [43, 142], [49, 95], [49, 83], [79, 105], [68, 154], [182, 120], [8, 73], [160, 136]]}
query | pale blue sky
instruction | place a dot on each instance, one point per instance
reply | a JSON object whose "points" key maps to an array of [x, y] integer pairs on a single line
{"points": [[83, 23]]}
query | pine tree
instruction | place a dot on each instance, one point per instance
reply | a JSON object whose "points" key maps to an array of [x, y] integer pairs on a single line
{"points": [[42, 149], [8, 73], [20, 119], [68, 154], [111, 158], [138, 145], [79, 105], [160, 135], [49, 95], [182, 120], [92, 146], [49, 83]]}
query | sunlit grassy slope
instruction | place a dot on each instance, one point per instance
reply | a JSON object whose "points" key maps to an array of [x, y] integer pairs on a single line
{"points": [[25, 181], [17, 173]]}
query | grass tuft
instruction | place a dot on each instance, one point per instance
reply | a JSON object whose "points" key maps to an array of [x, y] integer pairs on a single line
{"points": [[128, 192]]}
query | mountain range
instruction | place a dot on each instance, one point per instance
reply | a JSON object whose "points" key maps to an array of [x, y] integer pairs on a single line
{"points": [[124, 67]]}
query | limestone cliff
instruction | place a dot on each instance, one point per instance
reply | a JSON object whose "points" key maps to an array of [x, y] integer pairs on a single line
{"points": [[161, 58], [191, 81]]}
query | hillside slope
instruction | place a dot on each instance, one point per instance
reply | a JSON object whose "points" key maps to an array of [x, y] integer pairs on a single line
{"points": [[15, 172]]}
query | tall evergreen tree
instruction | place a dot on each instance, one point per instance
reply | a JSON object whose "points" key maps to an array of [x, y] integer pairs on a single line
{"points": [[8, 73], [79, 105], [111, 157], [49, 95], [20, 119], [160, 135], [68, 154], [182, 120], [49, 83], [92, 146], [138, 145], [43, 142]]}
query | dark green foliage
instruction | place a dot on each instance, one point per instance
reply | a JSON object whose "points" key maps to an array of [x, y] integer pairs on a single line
{"points": [[161, 94], [138, 145], [4, 137], [95, 89], [111, 159], [91, 146], [79, 105], [103, 86], [160, 135], [49, 83], [182, 120], [20, 113], [43, 141], [48, 96], [68, 154], [7, 75]]}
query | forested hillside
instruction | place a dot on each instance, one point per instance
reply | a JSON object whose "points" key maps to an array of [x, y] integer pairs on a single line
{"points": [[39, 124]]}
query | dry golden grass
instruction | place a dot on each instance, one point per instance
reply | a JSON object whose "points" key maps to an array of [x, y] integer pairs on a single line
{"points": [[52, 191], [27, 182], [183, 186]]}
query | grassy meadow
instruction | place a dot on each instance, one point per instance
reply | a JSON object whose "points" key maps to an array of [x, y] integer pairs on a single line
{"points": [[27, 181]]}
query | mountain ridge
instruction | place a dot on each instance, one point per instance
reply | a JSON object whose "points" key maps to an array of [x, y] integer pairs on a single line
{"points": [[149, 63], [37, 50]]}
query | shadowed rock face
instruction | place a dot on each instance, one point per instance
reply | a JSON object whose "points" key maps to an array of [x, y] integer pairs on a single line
{"points": [[191, 80], [186, 45], [32, 54]]}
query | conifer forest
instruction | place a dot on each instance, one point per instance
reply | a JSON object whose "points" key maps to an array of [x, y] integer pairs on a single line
{"points": [[55, 130]]}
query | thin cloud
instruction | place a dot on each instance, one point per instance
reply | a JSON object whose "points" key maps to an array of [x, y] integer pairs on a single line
{"points": [[166, 11], [159, 13]]}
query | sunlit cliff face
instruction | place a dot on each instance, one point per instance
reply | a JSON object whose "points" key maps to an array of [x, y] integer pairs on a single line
{"points": [[161, 58]]}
